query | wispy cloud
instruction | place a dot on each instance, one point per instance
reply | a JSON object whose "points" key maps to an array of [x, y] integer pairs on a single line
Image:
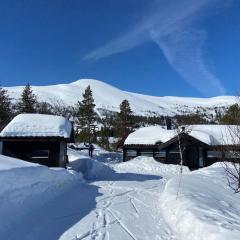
{"points": [[173, 26]]}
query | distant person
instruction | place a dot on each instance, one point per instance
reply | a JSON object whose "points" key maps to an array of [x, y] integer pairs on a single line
{"points": [[90, 150]]}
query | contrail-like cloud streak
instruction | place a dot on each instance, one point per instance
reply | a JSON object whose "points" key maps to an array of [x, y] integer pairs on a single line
{"points": [[173, 26], [188, 61]]}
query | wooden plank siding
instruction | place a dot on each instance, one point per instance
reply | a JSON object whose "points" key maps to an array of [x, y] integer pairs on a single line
{"points": [[196, 154], [45, 151], [140, 150]]}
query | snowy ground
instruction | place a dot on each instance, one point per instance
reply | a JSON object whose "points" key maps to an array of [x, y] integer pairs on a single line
{"points": [[206, 207], [128, 207], [132, 200]]}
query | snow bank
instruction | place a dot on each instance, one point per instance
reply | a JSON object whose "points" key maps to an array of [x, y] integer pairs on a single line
{"points": [[147, 165], [206, 208], [37, 125], [7, 163], [80, 161], [104, 166], [25, 189], [92, 169]]}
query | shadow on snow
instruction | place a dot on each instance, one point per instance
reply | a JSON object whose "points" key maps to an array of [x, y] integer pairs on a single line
{"points": [[94, 170], [44, 212]]}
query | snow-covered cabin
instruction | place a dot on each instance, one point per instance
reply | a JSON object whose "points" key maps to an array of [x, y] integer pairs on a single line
{"points": [[202, 144], [145, 141], [37, 138]]}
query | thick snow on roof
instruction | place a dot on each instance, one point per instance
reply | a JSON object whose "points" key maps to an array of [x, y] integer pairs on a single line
{"points": [[216, 134], [209, 134], [150, 135], [38, 125]]}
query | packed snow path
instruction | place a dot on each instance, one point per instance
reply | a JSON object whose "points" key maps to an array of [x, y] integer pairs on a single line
{"points": [[128, 206], [117, 201], [125, 210]]}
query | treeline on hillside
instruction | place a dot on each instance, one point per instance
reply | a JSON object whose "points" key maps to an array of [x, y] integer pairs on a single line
{"points": [[111, 129]]}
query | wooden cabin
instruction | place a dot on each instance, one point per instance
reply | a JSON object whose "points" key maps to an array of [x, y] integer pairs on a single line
{"points": [[38, 138], [194, 151], [145, 142], [202, 145]]}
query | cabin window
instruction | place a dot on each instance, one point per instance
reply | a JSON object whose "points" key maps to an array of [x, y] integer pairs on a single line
{"points": [[232, 154], [131, 153], [214, 154], [147, 153], [160, 154], [40, 153]]}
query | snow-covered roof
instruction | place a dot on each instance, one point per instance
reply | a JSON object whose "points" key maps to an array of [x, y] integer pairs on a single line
{"points": [[216, 134], [38, 125], [209, 134], [150, 135]]}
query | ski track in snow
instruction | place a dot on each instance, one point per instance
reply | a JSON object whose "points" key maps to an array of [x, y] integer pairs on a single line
{"points": [[122, 201], [119, 205], [109, 215]]}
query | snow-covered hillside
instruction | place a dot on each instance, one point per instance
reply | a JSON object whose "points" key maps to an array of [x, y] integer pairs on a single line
{"points": [[108, 98]]}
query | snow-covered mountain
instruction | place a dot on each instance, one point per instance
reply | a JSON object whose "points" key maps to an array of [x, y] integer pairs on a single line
{"points": [[108, 98]]}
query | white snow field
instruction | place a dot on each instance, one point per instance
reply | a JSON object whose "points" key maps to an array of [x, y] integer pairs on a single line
{"points": [[205, 209], [133, 200], [109, 98]]}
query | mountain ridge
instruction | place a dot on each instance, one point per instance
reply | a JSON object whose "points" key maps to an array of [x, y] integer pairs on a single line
{"points": [[108, 97]]}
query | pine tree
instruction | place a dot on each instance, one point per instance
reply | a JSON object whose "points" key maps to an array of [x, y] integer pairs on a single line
{"points": [[5, 107], [87, 116], [28, 101], [232, 115], [44, 108], [124, 123]]}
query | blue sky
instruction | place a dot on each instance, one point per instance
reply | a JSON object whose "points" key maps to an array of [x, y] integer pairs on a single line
{"points": [[158, 47]]}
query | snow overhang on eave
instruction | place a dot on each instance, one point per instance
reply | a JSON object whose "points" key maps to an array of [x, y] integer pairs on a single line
{"points": [[140, 145], [32, 138], [181, 135]]}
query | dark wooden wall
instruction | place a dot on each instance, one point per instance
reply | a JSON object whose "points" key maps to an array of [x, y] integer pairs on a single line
{"points": [[191, 154], [24, 150], [141, 150]]}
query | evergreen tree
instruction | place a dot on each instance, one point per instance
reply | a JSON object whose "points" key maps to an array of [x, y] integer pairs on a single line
{"points": [[190, 119], [44, 108], [5, 108], [103, 141], [86, 116], [232, 115], [28, 101], [124, 123]]}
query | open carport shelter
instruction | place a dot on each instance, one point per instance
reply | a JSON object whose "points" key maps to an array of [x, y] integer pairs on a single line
{"points": [[37, 138]]}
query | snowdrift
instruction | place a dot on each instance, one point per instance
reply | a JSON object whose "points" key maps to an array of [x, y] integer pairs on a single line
{"points": [[25, 189], [206, 208], [147, 165]]}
